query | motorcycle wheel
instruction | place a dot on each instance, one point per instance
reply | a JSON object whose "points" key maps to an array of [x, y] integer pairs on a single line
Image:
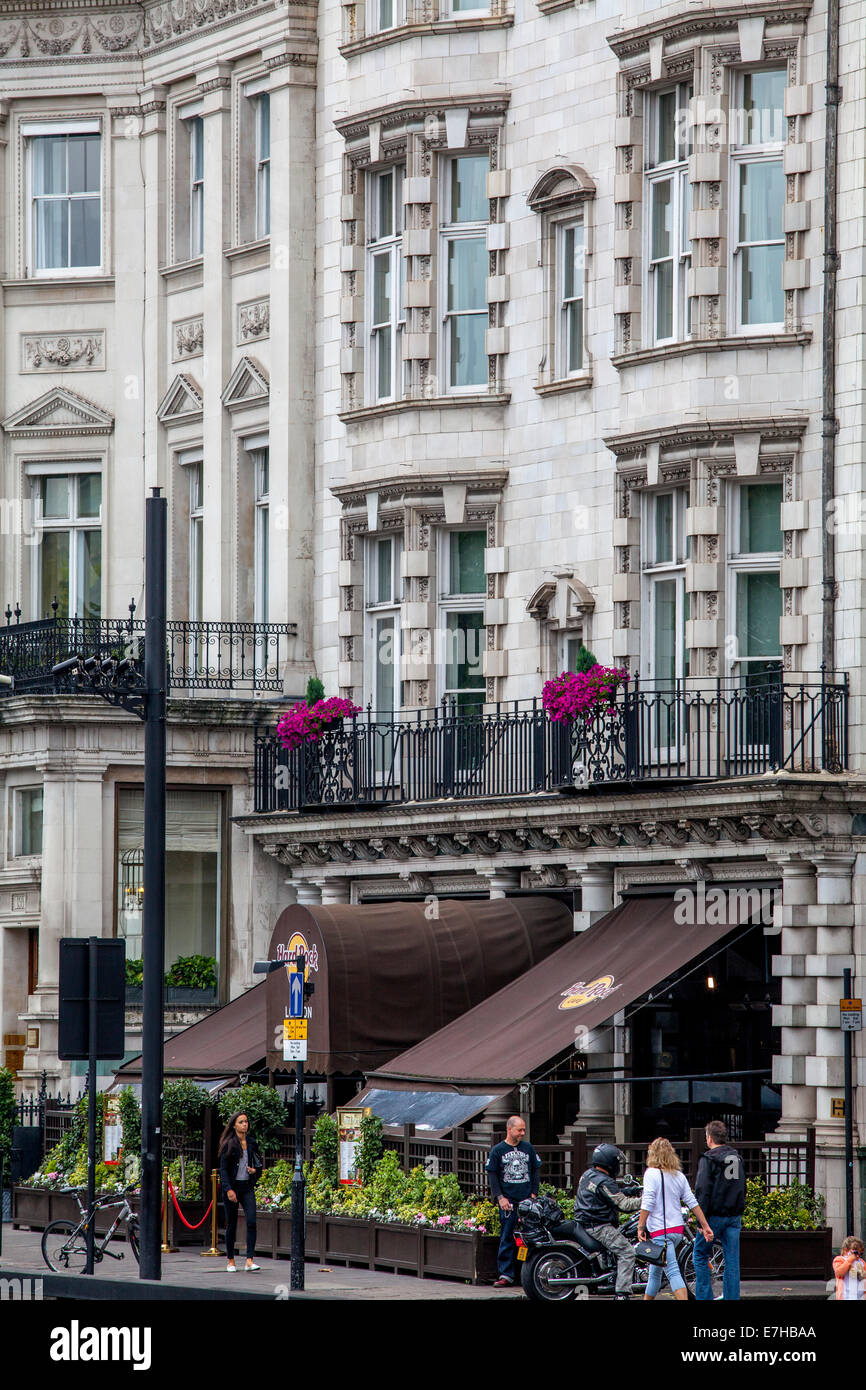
{"points": [[546, 1265]]}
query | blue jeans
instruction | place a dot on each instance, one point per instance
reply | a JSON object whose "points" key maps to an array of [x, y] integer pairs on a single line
{"points": [[506, 1259], [726, 1230], [671, 1269]]}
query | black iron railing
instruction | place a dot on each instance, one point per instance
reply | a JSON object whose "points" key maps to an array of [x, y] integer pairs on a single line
{"points": [[202, 656], [677, 733]]}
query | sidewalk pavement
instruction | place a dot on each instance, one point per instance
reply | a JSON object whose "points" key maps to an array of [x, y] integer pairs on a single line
{"points": [[201, 1277]]}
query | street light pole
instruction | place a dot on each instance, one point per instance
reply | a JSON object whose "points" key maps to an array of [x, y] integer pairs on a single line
{"points": [[153, 924]]}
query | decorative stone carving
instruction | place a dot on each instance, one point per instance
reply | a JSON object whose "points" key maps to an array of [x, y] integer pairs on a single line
{"points": [[188, 338], [254, 321], [59, 412], [46, 352]]}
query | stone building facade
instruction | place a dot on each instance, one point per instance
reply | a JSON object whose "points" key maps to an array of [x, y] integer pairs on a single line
{"points": [[534, 336]]}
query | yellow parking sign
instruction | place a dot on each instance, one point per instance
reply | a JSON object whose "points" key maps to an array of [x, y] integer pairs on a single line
{"points": [[294, 1028]]}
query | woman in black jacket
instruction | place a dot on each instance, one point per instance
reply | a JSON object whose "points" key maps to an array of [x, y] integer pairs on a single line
{"points": [[240, 1165]]}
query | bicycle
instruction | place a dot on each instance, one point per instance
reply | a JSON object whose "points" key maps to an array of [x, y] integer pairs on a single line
{"points": [[64, 1242]]}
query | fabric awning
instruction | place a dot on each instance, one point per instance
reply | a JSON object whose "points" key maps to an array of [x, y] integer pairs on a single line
{"points": [[230, 1040], [537, 1017], [387, 975], [433, 1113]]}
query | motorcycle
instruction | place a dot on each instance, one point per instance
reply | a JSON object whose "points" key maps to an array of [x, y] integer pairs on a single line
{"points": [[560, 1260]]}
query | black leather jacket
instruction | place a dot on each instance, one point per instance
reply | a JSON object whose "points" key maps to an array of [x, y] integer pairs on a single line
{"points": [[230, 1159], [599, 1200]]}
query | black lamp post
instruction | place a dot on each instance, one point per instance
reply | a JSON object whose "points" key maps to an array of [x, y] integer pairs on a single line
{"points": [[120, 682]]}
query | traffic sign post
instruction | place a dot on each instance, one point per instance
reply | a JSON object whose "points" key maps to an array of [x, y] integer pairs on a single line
{"points": [[851, 1021], [295, 1049]]}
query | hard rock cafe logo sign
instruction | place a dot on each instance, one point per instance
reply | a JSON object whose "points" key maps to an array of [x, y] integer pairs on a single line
{"points": [[298, 946], [580, 993]]}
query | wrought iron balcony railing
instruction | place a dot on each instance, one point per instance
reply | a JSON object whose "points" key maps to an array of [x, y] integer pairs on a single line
{"points": [[681, 733], [202, 657]]}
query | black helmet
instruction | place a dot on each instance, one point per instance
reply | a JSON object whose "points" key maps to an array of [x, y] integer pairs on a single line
{"points": [[607, 1156]]}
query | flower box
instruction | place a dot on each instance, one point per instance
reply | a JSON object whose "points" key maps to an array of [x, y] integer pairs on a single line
{"points": [[786, 1254], [370, 1244], [34, 1207]]}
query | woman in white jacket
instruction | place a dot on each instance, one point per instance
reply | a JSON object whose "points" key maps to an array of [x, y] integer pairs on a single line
{"points": [[664, 1219]]}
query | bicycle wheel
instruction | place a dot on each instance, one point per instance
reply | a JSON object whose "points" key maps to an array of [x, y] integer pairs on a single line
{"points": [[717, 1269], [64, 1247], [132, 1236]]}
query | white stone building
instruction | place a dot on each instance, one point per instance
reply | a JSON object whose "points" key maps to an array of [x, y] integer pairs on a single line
{"points": [[532, 324]]}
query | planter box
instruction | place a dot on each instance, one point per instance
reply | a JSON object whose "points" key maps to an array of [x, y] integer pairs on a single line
{"points": [[34, 1207], [418, 1250], [786, 1254], [173, 994]]}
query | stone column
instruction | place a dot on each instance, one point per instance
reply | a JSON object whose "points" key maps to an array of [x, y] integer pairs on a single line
{"points": [[794, 940], [306, 894], [292, 347], [596, 888], [500, 882], [596, 1114], [335, 890]]}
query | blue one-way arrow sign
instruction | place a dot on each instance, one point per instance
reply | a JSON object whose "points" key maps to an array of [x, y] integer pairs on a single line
{"points": [[296, 994]]}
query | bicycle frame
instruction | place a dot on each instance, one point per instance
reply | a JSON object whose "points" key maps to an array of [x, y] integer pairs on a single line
{"points": [[103, 1204]]}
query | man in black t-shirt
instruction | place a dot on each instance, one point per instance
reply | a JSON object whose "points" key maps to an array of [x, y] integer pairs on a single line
{"points": [[513, 1169]]}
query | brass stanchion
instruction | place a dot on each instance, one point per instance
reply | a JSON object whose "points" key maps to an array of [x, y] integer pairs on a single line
{"points": [[165, 1247], [213, 1217]]}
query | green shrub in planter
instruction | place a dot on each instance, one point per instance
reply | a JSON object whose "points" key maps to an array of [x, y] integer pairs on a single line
{"points": [[274, 1187], [7, 1119], [186, 1177], [183, 1107], [326, 1144], [792, 1208], [135, 974], [370, 1147], [263, 1108], [192, 972], [315, 691]]}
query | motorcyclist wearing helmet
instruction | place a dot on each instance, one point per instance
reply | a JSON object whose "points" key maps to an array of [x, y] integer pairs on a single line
{"points": [[597, 1205]]}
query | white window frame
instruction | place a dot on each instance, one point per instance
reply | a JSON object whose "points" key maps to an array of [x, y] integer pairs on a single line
{"points": [[195, 470], [387, 246], [654, 571], [749, 562], [560, 229], [16, 826], [447, 10], [374, 13], [448, 232], [261, 572], [742, 154], [73, 523], [376, 609], [674, 172], [455, 603], [263, 167], [34, 130], [195, 125]]}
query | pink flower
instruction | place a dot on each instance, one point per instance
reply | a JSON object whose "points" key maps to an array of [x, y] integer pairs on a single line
{"points": [[305, 723], [443, 1221], [578, 694]]}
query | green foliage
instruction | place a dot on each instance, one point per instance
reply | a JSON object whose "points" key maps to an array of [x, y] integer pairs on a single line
{"points": [[275, 1184], [135, 973], [263, 1108], [585, 662], [183, 1107], [326, 1150], [562, 1198], [370, 1147], [187, 1177], [315, 691], [792, 1208], [7, 1117], [192, 972]]}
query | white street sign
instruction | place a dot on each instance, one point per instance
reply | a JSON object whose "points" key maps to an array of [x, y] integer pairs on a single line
{"points": [[294, 1049]]}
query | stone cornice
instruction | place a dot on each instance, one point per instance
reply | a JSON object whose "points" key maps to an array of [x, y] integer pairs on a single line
{"points": [[706, 432], [634, 41], [400, 113], [391, 489]]}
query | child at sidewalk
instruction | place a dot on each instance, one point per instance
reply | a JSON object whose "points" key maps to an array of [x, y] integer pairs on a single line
{"points": [[849, 1268]]}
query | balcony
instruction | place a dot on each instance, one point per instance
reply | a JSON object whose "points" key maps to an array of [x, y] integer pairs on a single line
{"points": [[692, 731], [213, 658]]}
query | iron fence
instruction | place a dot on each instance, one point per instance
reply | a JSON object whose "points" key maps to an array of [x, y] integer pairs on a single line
{"points": [[201, 656], [684, 732]]}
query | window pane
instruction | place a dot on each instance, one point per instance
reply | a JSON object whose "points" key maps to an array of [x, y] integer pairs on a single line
{"points": [[759, 608], [383, 363], [664, 529], [90, 574], [52, 234], [55, 497], [469, 202], [263, 468], [468, 358], [264, 126], [84, 163], [384, 569], [466, 554], [763, 299], [382, 289], [666, 144], [30, 820], [665, 633], [386, 656], [89, 494], [385, 225], [191, 904], [464, 646], [763, 104], [195, 487], [760, 519], [762, 197], [568, 266], [54, 571], [467, 273], [49, 164], [84, 231], [574, 335], [664, 277], [662, 197], [196, 135]]}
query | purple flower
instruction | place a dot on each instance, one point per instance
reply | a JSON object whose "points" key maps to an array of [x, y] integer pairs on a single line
{"points": [[578, 694], [305, 723]]}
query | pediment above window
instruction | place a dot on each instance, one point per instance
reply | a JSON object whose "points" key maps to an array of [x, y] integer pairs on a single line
{"points": [[562, 601], [59, 412], [248, 384], [182, 402], [560, 187]]}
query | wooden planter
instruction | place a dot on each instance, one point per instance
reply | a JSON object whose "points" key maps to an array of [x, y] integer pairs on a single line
{"points": [[366, 1244], [34, 1207], [786, 1255]]}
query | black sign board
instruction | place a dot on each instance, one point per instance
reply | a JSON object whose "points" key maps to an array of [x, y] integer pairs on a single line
{"points": [[110, 999]]}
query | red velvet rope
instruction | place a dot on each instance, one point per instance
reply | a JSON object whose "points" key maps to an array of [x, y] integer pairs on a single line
{"points": [[180, 1213]]}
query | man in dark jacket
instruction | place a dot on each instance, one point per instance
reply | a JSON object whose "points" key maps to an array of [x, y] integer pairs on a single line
{"points": [[720, 1188], [597, 1204], [513, 1169]]}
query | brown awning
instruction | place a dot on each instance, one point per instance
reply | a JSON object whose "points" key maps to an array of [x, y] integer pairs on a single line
{"points": [[229, 1040], [535, 1019], [387, 975]]}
